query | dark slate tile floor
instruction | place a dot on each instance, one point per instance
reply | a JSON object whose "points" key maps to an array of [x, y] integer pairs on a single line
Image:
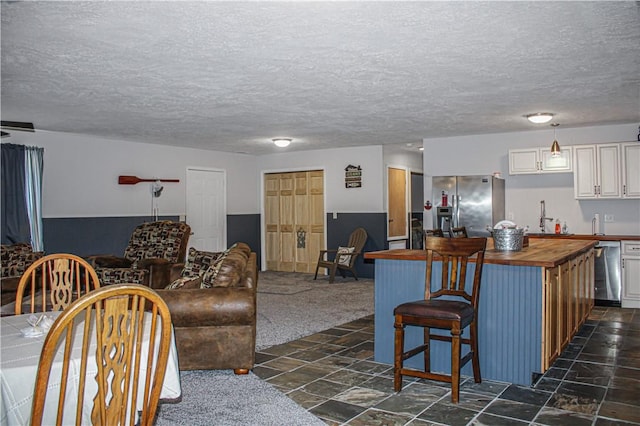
{"points": [[595, 381]]}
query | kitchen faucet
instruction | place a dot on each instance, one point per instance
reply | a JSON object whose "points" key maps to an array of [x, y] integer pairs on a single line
{"points": [[543, 214]]}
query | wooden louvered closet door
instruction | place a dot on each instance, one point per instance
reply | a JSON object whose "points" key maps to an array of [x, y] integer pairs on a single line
{"points": [[294, 202]]}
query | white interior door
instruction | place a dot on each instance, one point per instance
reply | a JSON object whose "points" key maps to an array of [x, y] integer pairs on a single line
{"points": [[207, 208]]}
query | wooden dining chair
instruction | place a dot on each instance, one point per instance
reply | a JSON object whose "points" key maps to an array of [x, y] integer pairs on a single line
{"points": [[121, 373], [459, 232], [449, 307], [433, 233], [52, 282]]}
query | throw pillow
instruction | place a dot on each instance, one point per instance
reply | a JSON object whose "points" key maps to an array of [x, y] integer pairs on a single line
{"points": [[343, 257], [198, 262]]}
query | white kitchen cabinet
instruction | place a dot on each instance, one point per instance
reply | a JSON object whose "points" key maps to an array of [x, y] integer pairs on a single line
{"points": [[630, 274], [596, 171], [539, 160], [631, 170]]}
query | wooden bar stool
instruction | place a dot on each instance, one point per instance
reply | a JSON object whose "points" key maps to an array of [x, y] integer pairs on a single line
{"points": [[443, 313]]}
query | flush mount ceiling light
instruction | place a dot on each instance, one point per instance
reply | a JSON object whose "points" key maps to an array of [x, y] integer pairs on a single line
{"points": [[540, 117], [555, 147], [281, 142]]}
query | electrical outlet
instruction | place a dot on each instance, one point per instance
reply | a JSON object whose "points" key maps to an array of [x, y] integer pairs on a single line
{"points": [[510, 216], [608, 218]]}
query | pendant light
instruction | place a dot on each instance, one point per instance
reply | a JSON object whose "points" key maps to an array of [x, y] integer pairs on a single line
{"points": [[555, 147]]}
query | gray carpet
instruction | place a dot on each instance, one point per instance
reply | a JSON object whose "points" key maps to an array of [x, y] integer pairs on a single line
{"points": [[284, 317], [222, 398], [285, 313]]}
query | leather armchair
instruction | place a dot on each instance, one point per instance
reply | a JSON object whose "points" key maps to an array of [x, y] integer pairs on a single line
{"points": [[153, 250]]}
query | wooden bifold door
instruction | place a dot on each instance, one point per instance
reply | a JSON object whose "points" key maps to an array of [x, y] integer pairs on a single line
{"points": [[294, 220]]}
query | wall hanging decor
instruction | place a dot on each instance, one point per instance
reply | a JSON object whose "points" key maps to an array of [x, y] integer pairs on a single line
{"points": [[353, 176], [132, 180]]}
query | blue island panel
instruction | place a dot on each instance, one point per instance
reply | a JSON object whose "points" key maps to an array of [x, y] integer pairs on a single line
{"points": [[509, 328]]}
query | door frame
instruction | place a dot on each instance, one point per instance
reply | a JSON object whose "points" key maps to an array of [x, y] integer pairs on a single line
{"points": [[411, 206], [263, 238], [224, 197], [407, 183]]}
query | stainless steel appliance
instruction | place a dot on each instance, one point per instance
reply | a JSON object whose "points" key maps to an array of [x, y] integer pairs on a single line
{"points": [[607, 273], [474, 202]]}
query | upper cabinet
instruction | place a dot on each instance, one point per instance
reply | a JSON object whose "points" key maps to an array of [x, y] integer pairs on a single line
{"points": [[600, 171], [596, 171], [539, 160], [631, 170]]}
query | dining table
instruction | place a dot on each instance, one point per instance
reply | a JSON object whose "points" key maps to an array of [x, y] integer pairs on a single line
{"points": [[20, 350]]}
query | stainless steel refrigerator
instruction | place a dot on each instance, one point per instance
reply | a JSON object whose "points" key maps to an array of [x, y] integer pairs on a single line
{"points": [[474, 202]]}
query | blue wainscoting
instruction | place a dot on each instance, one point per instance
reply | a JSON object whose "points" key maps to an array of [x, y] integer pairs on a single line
{"points": [[85, 236], [245, 228], [509, 328]]}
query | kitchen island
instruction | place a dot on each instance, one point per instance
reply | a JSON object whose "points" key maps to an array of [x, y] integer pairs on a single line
{"points": [[532, 302]]}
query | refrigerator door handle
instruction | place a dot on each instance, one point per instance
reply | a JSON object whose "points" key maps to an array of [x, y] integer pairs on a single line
{"points": [[456, 212]]}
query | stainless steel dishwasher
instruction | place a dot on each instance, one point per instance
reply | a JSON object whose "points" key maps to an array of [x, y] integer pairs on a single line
{"points": [[607, 273]]}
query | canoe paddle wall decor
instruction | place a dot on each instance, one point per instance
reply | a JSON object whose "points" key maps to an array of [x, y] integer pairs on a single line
{"points": [[132, 180]]}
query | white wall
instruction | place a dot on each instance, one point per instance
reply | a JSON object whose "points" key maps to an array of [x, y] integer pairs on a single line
{"points": [[393, 156], [81, 175], [484, 154], [367, 199]]}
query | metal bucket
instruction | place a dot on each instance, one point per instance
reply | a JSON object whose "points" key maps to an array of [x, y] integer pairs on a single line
{"points": [[509, 239]]}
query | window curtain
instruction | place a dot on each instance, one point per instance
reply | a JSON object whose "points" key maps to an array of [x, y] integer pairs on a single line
{"points": [[33, 183], [21, 186], [15, 219]]}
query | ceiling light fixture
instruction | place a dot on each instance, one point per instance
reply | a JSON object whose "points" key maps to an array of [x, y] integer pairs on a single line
{"points": [[540, 117], [555, 147], [282, 142]]}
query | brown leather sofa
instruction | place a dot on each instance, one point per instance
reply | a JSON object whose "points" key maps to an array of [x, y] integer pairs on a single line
{"points": [[214, 311]]}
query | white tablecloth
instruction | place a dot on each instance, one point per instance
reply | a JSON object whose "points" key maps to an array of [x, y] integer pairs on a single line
{"points": [[19, 362]]}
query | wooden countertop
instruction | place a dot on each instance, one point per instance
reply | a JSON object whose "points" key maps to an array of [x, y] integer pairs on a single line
{"points": [[544, 252], [589, 237]]}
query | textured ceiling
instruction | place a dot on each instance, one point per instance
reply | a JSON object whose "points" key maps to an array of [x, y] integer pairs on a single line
{"points": [[230, 76]]}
